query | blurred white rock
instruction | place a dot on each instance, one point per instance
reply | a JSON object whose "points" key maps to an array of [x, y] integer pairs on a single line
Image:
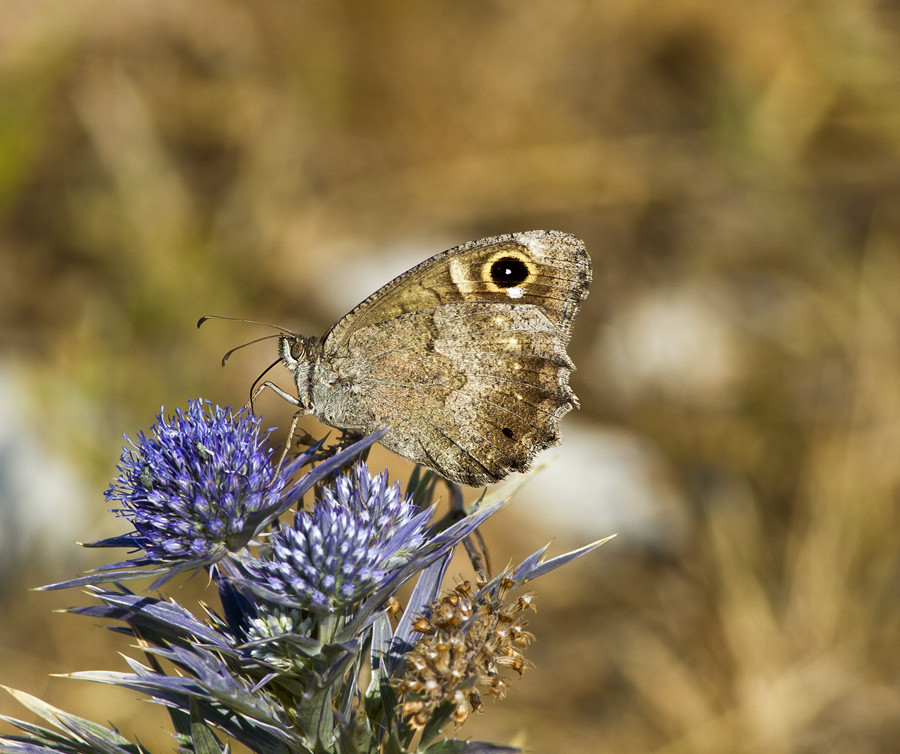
{"points": [[43, 499], [678, 341], [603, 481]]}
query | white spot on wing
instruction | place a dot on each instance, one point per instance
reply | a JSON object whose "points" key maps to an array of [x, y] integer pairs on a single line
{"points": [[458, 275], [515, 292]]}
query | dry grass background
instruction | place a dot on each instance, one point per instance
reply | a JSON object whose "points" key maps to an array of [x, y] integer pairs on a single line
{"points": [[159, 161]]}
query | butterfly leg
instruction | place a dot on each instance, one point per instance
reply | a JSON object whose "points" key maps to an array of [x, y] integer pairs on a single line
{"points": [[278, 391], [290, 399], [290, 439]]}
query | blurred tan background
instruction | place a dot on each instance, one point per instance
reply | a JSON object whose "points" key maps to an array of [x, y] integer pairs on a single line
{"points": [[734, 169]]}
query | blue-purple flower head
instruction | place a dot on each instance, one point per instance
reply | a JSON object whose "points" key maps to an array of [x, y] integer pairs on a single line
{"points": [[190, 488], [360, 532]]}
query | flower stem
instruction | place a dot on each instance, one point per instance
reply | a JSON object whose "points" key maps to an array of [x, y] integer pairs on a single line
{"points": [[325, 702]]}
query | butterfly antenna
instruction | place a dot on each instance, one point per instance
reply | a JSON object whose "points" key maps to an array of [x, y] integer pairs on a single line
{"points": [[206, 317], [250, 343], [281, 331]]}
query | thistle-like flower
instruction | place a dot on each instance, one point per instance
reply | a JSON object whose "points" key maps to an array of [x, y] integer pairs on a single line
{"points": [[199, 489], [360, 531], [192, 487], [265, 636]]}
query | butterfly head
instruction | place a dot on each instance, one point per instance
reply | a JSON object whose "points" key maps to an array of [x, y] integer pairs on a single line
{"points": [[299, 354]]}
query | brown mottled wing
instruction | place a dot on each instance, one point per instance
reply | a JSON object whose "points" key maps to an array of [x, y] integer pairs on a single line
{"points": [[464, 355]]}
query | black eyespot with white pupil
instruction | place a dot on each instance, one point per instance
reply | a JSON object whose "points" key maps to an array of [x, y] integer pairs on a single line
{"points": [[508, 272]]}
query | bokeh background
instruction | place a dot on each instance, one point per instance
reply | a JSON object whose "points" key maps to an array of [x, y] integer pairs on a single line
{"points": [[734, 169]]}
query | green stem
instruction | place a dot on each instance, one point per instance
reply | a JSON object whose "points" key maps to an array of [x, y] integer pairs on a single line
{"points": [[328, 627]]}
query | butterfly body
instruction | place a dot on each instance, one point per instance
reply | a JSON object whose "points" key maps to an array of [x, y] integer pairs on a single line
{"points": [[463, 356]]}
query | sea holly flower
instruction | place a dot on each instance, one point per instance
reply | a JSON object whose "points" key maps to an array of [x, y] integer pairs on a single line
{"points": [[267, 632], [191, 488], [200, 487], [359, 532]]}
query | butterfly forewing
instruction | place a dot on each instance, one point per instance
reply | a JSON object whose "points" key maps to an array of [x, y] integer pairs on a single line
{"points": [[463, 356]]}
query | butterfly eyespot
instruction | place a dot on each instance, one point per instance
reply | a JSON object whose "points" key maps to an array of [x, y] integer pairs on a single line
{"points": [[508, 272], [507, 432]]}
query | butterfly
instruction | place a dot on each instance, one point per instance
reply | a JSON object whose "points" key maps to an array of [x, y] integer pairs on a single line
{"points": [[463, 357]]}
